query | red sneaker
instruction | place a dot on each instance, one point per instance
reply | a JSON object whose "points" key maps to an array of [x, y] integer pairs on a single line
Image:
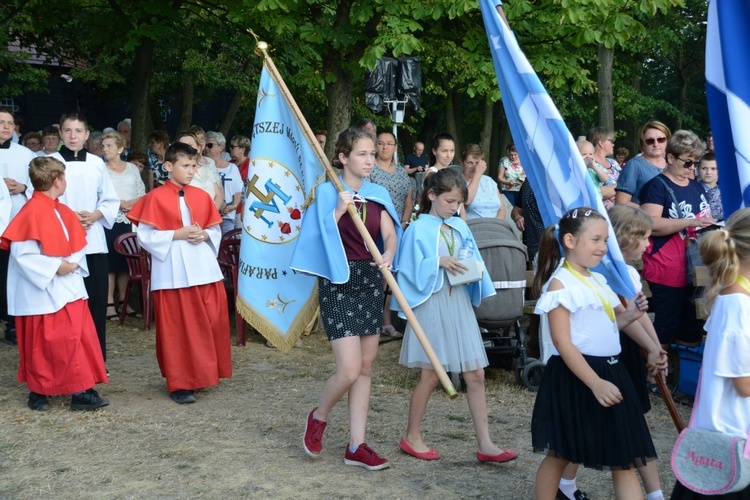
{"points": [[365, 457], [313, 439]]}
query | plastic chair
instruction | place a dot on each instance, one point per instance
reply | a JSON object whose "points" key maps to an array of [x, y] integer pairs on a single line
{"points": [[139, 268], [229, 260]]}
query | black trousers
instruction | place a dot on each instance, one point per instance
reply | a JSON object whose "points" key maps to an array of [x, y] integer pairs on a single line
{"points": [[97, 284], [10, 324]]}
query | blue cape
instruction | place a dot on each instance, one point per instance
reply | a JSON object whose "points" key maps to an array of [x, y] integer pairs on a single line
{"points": [[319, 249], [419, 272]]}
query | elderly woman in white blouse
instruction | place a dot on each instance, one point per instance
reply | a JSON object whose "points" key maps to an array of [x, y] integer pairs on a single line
{"points": [[130, 188]]}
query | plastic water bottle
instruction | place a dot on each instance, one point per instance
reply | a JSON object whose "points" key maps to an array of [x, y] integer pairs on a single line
{"points": [[466, 251]]}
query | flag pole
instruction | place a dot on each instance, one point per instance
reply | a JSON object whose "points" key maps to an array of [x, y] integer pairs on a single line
{"points": [[261, 48]]}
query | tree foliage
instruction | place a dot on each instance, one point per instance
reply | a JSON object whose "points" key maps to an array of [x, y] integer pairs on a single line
{"points": [[324, 47]]}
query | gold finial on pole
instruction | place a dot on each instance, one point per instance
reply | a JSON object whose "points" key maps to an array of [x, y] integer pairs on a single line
{"points": [[261, 48]]}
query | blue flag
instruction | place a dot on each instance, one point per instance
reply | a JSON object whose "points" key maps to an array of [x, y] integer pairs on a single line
{"points": [[554, 167], [728, 94], [273, 298]]}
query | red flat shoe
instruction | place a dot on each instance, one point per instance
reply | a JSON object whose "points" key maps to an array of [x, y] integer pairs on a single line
{"points": [[422, 455], [500, 458]]}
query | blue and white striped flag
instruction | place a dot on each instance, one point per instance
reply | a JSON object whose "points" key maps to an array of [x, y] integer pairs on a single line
{"points": [[548, 153], [277, 301], [728, 94]]}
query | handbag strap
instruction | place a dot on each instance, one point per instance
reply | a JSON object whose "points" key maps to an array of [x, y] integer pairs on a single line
{"points": [[671, 193], [697, 397]]}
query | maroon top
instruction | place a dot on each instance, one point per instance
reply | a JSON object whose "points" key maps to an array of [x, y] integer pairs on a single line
{"points": [[354, 245]]}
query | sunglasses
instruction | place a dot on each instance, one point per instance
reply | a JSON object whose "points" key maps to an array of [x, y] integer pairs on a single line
{"points": [[210, 145], [651, 141], [688, 163]]}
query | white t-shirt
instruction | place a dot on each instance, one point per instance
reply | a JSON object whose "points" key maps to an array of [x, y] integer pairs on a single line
{"points": [[591, 330], [232, 183], [726, 356]]}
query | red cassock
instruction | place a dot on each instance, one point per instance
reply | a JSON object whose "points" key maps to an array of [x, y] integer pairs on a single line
{"points": [[193, 343], [59, 351]]}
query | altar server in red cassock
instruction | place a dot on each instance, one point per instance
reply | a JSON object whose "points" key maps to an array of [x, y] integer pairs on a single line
{"points": [[57, 342], [181, 228]]}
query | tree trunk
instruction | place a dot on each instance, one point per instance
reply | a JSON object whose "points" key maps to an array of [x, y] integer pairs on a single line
{"points": [[450, 117], [186, 107], [339, 95], [142, 69], [485, 137], [604, 78], [231, 113], [156, 120], [682, 86], [458, 119]]}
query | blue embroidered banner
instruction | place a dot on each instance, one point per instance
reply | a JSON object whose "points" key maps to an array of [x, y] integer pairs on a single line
{"points": [[273, 298], [548, 153]]}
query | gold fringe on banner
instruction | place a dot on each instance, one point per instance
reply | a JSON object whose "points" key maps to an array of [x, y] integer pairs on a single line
{"points": [[302, 324]]}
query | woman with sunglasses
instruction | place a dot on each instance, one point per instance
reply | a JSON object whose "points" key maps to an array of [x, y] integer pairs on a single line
{"points": [[679, 207], [644, 167]]}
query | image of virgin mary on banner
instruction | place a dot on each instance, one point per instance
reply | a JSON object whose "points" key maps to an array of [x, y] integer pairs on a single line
{"points": [[279, 303]]}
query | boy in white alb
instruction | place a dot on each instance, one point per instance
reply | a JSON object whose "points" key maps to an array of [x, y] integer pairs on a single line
{"points": [[91, 195], [57, 344], [14, 169], [181, 228]]}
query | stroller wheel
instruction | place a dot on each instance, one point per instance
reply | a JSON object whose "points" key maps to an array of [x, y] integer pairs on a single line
{"points": [[532, 374], [458, 381]]}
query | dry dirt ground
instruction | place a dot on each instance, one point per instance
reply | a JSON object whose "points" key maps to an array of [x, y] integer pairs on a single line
{"points": [[243, 437]]}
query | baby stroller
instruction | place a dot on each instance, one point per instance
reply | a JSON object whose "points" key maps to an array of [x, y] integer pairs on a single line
{"points": [[504, 340]]}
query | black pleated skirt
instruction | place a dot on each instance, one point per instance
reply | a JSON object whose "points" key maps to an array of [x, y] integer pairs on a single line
{"points": [[682, 493], [569, 423], [632, 359]]}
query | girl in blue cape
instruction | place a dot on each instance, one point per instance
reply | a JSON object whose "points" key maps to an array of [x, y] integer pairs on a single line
{"points": [[350, 287], [430, 249]]}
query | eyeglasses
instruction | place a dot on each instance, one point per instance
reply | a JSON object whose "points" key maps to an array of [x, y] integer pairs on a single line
{"points": [[651, 141], [610, 140], [688, 163], [210, 145], [391, 144]]}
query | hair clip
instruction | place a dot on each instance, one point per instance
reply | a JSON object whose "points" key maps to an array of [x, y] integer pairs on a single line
{"points": [[588, 212]]}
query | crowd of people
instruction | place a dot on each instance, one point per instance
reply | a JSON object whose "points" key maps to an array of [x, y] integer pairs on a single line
{"points": [[70, 193]]}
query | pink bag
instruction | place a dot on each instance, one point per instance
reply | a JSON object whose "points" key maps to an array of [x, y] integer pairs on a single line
{"points": [[711, 462]]}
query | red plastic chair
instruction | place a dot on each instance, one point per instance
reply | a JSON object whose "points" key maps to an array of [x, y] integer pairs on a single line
{"points": [[229, 260], [139, 267]]}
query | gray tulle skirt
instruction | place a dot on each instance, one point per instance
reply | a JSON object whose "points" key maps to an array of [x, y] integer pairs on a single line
{"points": [[450, 325]]}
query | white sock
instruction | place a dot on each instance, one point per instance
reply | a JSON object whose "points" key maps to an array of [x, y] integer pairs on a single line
{"points": [[568, 486], [655, 495]]}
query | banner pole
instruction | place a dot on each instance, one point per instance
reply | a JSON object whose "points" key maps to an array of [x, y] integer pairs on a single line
{"points": [[261, 48]]}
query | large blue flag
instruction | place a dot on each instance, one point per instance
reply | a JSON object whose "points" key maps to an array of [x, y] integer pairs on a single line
{"points": [[728, 94], [275, 300], [550, 157]]}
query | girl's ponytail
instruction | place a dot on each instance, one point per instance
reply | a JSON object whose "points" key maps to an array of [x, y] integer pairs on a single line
{"points": [[548, 259], [723, 250]]}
